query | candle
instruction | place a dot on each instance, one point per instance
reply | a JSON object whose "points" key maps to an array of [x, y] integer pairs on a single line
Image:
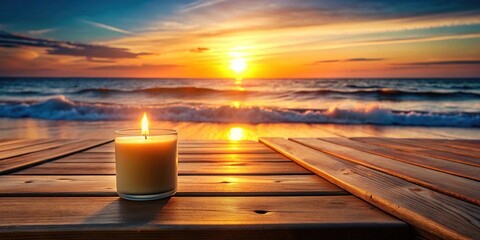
{"points": [[146, 162]]}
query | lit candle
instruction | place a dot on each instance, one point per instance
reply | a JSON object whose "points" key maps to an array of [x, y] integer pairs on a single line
{"points": [[146, 162]]}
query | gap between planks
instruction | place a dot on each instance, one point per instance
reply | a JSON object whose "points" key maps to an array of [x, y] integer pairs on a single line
{"points": [[94, 157], [225, 185], [201, 168]]}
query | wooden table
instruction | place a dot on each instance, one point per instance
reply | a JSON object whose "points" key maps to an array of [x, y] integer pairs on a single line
{"points": [[246, 190]]}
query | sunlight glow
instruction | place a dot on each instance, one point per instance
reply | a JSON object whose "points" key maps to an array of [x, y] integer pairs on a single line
{"points": [[236, 134], [238, 65], [236, 104], [238, 81]]}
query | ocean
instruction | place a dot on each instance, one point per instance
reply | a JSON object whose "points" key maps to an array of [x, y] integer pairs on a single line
{"points": [[400, 102]]}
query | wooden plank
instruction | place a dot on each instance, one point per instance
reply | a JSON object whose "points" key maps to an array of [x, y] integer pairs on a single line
{"points": [[463, 144], [432, 153], [6, 144], [215, 141], [110, 157], [454, 168], [191, 150], [27, 160], [457, 143], [277, 185], [454, 186], [233, 157], [4, 140], [19, 143], [221, 145], [429, 212], [31, 147], [201, 168], [256, 150], [439, 147], [332, 217], [111, 146]]}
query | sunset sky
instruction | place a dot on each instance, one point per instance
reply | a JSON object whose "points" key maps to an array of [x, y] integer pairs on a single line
{"points": [[275, 38]]}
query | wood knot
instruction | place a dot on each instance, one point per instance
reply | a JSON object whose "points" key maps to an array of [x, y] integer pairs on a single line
{"points": [[347, 171], [29, 181], [415, 189], [260, 211], [224, 182]]}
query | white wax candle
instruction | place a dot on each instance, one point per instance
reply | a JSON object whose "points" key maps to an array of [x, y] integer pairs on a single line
{"points": [[146, 166]]}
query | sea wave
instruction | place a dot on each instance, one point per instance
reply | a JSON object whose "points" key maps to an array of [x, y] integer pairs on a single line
{"points": [[392, 94], [383, 93], [195, 92], [162, 90], [61, 108]]}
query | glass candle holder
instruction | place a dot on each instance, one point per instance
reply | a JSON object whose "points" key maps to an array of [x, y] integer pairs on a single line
{"points": [[146, 166]]}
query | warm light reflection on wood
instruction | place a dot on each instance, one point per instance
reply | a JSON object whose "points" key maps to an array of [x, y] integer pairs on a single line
{"points": [[236, 134]]}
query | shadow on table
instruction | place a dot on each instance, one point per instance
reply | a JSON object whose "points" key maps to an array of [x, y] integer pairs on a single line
{"points": [[121, 211]]}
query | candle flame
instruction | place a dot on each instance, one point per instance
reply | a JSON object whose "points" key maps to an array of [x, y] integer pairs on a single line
{"points": [[145, 125]]}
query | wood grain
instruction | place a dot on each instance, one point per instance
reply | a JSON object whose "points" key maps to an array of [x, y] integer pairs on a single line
{"points": [[204, 144], [442, 182], [30, 159], [30, 147], [439, 147], [422, 151], [6, 140], [457, 143], [198, 217], [234, 157], [202, 150], [426, 210], [216, 141], [221, 145], [458, 169], [201, 168], [111, 146], [227, 185], [19, 145]]}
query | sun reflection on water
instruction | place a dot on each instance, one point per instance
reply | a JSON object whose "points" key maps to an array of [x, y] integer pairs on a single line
{"points": [[236, 104]]}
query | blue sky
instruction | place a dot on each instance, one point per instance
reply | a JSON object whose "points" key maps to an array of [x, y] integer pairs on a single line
{"points": [[199, 38]]}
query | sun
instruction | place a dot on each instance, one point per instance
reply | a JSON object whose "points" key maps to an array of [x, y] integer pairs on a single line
{"points": [[238, 65]]}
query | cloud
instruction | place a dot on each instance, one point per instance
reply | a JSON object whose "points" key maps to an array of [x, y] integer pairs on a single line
{"points": [[199, 4], [41, 31], [363, 59], [430, 63], [54, 47], [90, 59], [137, 67], [108, 27], [349, 60], [199, 49]]}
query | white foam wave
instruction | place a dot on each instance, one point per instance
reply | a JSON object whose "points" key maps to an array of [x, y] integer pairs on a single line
{"points": [[61, 108]]}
